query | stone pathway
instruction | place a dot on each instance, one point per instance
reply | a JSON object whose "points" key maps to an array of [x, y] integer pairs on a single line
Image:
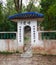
{"points": [[15, 59], [27, 53]]}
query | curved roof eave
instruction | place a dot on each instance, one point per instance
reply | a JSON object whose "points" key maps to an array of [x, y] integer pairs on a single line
{"points": [[26, 15]]}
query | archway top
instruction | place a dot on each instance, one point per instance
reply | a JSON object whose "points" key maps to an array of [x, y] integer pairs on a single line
{"points": [[27, 28], [26, 15]]}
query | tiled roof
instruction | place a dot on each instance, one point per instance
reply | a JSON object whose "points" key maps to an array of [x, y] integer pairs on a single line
{"points": [[26, 15]]}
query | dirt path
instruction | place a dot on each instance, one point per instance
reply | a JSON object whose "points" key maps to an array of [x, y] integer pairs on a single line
{"points": [[15, 59]]}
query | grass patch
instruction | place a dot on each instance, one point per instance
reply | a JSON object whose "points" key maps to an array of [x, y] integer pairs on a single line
{"points": [[6, 52], [17, 52]]}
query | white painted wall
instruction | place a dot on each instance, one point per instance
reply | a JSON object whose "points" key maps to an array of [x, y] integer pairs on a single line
{"points": [[20, 34], [8, 45], [12, 46], [34, 34]]}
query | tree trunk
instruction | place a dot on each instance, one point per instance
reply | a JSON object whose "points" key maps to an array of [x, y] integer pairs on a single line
{"points": [[18, 5]]}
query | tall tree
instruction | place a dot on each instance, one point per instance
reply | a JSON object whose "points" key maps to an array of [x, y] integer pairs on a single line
{"points": [[18, 5], [31, 5], [32, 8]]}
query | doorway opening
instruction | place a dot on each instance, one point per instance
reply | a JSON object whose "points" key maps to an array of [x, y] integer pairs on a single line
{"points": [[27, 38]]}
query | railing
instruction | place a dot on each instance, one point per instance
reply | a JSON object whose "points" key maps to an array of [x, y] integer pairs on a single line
{"points": [[8, 35], [48, 35]]}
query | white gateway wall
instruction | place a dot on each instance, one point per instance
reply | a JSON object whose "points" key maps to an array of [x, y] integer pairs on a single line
{"points": [[20, 33]]}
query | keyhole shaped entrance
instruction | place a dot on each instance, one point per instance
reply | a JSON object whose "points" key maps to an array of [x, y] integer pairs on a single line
{"points": [[27, 38]]}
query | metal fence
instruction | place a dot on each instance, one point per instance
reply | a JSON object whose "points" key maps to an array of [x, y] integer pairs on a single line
{"points": [[8, 35], [48, 35]]}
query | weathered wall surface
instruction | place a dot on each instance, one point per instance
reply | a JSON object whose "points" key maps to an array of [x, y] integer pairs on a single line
{"points": [[8, 45], [43, 47]]}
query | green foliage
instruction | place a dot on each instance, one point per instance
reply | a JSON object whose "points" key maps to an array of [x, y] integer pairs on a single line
{"points": [[5, 11], [33, 8], [48, 7], [1, 14], [6, 53], [52, 10]]}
